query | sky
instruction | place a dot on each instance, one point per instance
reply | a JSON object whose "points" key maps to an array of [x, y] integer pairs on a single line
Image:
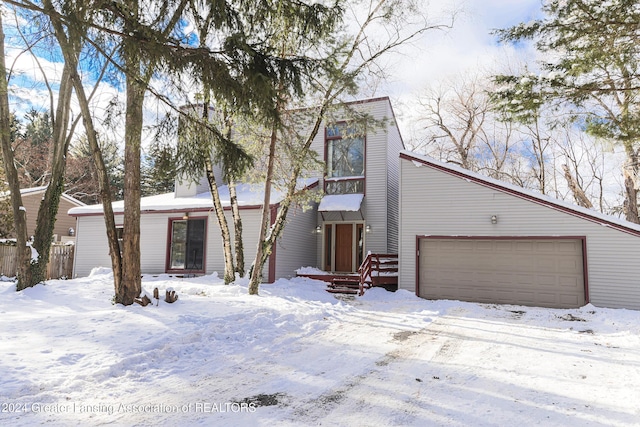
{"points": [[468, 47], [439, 54]]}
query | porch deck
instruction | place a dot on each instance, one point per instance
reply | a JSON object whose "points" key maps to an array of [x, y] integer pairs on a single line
{"points": [[377, 270]]}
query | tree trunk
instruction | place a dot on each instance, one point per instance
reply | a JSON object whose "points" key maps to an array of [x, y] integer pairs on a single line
{"points": [[131, 285], [237, 224], [70, 54], [631, 174], [19, 214], [578, 193], [229, 270], [631, 196], [48, 211], [103, 183], [229, 275], [262, 251]]}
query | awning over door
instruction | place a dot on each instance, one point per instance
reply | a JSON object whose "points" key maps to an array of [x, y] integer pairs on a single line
{"points": [[341, 202]]}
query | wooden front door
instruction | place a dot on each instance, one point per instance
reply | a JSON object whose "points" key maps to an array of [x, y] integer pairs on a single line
{"points": [[344, 247]]}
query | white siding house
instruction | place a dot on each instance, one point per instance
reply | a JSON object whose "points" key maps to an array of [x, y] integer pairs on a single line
{"points": [[160, 232], [180, 234], [468, 237]]}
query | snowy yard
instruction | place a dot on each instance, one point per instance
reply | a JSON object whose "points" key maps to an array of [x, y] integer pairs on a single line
{"points": [[298, 356]]}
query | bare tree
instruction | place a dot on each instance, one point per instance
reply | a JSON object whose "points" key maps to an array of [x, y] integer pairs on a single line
{"points": [[455, 115], [400, 22]]}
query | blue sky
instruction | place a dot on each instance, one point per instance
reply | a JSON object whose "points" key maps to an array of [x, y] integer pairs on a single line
{"points": [[469, 47], [465, 48]]}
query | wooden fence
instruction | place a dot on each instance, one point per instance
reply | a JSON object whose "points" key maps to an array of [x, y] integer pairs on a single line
{"points": [[60, 261]]}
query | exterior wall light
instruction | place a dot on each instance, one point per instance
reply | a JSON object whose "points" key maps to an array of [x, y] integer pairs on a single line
{"points": [[367, 229], [319, 229], [494, 219], [185, 215], [71, 232]]}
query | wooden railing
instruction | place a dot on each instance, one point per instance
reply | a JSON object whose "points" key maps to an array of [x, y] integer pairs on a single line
{"points": [[377, 270], [60, 261]]}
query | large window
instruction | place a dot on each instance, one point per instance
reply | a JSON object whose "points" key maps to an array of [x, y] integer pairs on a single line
{"points": [[345, 160], [187, 245]]}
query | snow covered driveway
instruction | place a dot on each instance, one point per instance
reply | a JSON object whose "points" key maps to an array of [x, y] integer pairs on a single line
{"points": [[297, 356]]}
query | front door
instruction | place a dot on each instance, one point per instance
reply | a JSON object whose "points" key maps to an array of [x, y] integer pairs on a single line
{"points": [[344, 247]]}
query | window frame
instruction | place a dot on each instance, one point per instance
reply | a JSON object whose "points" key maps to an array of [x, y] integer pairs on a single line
{"points": [[327, 181], [170, 222]]}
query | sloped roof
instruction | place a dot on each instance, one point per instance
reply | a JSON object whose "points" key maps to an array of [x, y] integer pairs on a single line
{"points": [[249, 195], [42, 189], [523, 193]]}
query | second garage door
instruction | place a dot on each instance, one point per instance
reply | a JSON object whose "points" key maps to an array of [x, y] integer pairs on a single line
{"points": [[523, 271]]}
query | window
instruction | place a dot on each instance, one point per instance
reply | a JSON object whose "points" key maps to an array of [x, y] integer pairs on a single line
{"points": [[345, 160], [187, 245]]}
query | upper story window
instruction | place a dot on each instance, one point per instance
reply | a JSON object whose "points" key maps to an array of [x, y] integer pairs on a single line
{"points": [[345, 160]]}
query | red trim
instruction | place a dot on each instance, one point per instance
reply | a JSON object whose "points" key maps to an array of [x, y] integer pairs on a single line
{"points": [[522, 195], [326, 155], [585, 271], [417, 266], [583, 239]]}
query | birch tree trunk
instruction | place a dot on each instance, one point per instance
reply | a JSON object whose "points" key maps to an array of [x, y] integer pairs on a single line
{"points": [[237, 225], [263, 249], [229, 271], [631, 171]]}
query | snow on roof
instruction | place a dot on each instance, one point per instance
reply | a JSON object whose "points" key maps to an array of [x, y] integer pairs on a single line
{"points": [[248, 195], [589, 214], [32, 189], [341, 202], [25, 191]]}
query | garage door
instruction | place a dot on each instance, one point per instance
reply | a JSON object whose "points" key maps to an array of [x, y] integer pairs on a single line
{"points": [[544, 272]]}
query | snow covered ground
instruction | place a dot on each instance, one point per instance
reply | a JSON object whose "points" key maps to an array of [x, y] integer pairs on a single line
{"points": [[298, 356]]}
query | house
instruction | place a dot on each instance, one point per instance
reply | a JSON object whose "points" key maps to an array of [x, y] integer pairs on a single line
{"points": [[358, 214], [467, 237], [64, 229]]}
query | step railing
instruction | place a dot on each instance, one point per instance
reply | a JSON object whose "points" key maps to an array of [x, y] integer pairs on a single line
{"points": [[375, 266]]}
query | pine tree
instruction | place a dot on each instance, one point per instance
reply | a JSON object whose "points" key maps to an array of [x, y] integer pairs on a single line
{"points": [[592, 66], [159, 169]]}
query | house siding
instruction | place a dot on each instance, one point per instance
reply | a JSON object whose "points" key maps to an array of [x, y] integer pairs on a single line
{"points": [[154, 227], [295, 248], [91, 249], [434, 202], [394, 146], [31, 202], [375, 199], [250, 226]]}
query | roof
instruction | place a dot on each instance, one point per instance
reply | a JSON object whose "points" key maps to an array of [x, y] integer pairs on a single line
{"points": [[523, 193], [249, 195], [341, 202], [42, 189]]}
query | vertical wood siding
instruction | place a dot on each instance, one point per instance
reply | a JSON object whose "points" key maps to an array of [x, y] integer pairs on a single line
{"points": [[433, 202]]}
